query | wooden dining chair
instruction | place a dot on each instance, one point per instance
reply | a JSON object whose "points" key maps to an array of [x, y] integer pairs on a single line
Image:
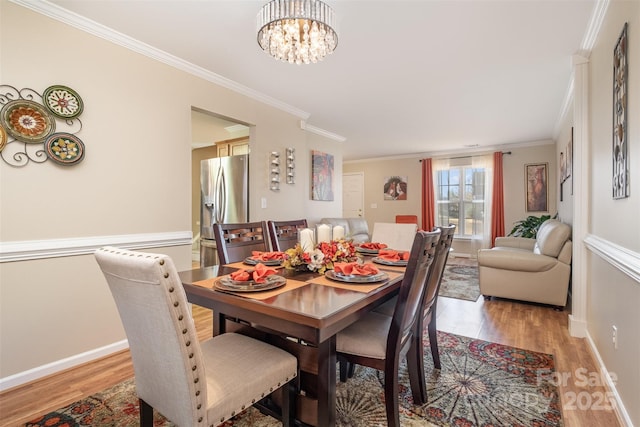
{"points": [[191, 383], [284, 234], [380, 341], [429, 305], [235, 242]]}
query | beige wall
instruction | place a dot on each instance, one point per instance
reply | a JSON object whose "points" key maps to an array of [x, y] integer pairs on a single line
{"points": [[613, 297], [376, 209], [135, 178], [514, 186]]}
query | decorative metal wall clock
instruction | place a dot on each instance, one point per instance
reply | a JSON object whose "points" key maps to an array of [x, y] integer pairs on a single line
{"points": [[28, 128]]}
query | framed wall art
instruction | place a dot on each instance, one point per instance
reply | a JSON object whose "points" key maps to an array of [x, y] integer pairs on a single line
{"points": [[322, 167], [536, 177], [395, 188], [620, 140]]}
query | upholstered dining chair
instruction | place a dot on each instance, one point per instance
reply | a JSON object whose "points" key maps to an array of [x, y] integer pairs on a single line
{"points": [[284, 234], [191, 383], [235, 242], [380, 341], [395, 236], [429, 305]]}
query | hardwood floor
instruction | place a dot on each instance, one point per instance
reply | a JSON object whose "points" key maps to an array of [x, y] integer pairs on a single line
{"points": [[521, 325]]}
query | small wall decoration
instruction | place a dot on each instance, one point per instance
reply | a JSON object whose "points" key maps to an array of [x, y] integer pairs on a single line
{"points": [[395, 188], [620, 140], [321, 176], [291, 165], [536, 177], [37, 128], [274, 171]]}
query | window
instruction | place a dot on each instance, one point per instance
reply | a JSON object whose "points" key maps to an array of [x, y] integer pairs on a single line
{"points": [[460, 199]]}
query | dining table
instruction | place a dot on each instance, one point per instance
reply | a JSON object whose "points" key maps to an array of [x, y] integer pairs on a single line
{"points": [[303, 317]]}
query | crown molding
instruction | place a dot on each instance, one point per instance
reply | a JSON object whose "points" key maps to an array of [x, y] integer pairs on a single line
{"points": [[307, 127], [462, 152], [588, 41], [71, 18]]}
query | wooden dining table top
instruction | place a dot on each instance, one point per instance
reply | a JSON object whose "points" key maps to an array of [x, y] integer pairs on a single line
{"points": [[319, 308]]}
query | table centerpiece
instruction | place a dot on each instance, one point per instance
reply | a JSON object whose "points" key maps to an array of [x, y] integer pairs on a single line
{"points": [[322, 257]]}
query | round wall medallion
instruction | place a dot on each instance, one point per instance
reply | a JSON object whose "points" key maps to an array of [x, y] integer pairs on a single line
{"points": [[64, 148], [27, 121], [62, 101]]}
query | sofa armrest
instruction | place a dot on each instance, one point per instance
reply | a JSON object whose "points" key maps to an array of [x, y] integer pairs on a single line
{"points": [[515, 260], [515, 242], [565, 253]]}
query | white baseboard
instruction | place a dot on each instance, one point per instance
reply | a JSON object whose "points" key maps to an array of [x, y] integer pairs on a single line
{"points": [[619, 409], [60, 365], [577, 327], [455, 254]]}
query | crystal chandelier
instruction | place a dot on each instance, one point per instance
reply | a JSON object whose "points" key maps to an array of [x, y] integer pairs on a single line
{"points": [[297, 31]]}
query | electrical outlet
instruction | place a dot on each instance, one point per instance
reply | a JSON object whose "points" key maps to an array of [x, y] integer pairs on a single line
{"points": [[615, 336]]}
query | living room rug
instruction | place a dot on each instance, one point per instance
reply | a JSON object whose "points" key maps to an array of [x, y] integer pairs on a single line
{"points": [[460, 279], [480, 384]]}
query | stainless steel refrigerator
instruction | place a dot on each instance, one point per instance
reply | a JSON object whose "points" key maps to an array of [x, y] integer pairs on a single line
{"points": [[224, 198]]}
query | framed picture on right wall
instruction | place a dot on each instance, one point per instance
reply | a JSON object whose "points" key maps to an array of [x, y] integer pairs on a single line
{"points": [[536, 177], [620, 140]]}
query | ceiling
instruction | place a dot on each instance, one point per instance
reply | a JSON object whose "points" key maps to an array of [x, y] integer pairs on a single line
{"points": [[407, 78]]}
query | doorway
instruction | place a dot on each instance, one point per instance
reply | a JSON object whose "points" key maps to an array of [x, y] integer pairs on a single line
{"points": [[353, 195], [207, 130]]}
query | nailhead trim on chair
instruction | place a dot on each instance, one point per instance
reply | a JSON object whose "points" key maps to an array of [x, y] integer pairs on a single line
{"points": [[179, 316], [185, 332]]}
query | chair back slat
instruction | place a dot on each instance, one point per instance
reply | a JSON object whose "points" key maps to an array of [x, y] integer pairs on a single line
{"points": [[437, 267], [412, 291], [284, 234], [235, 242]]}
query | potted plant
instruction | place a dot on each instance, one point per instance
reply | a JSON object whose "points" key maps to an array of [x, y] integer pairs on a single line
{"points": [[528, 227]]}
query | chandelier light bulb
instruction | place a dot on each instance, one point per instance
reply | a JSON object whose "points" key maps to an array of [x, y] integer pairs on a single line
{"points": [[297, 31]]}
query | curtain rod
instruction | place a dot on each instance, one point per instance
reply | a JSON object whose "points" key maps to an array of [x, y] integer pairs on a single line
{"points": [[463, 157]]}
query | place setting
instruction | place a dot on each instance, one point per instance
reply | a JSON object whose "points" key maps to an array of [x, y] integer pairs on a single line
{"points": [[274, 258], [356, 272], [355, 276], [390, 257], [370, 248]]}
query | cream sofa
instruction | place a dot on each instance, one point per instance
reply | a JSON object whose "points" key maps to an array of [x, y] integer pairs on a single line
{"points": [[536, 270], [354, 228]]}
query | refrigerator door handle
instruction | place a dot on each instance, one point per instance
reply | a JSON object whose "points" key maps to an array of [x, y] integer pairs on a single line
{"points": [[221, 194]]}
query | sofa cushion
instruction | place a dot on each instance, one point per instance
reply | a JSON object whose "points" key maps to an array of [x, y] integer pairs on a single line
{"points": [[551, 237], [358, 226], [354, 228]]}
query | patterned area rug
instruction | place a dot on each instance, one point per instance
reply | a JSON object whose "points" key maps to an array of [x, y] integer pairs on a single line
{"points": [[480, 384], [460, 279]]}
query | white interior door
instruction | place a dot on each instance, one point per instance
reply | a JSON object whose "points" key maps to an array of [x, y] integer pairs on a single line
{"points": [[353, 195]]}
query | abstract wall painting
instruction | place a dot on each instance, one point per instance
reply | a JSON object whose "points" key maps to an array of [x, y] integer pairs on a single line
{"points": [[620, 140], [536, 177], [322, 167]]}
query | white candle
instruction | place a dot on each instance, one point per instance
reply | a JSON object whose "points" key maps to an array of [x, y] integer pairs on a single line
{"points": [[306, 239], [338, 232], [324, 233]]}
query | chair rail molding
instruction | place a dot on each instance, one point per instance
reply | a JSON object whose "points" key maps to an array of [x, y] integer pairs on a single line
{"points": [[54, 248], [618, 256]]}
